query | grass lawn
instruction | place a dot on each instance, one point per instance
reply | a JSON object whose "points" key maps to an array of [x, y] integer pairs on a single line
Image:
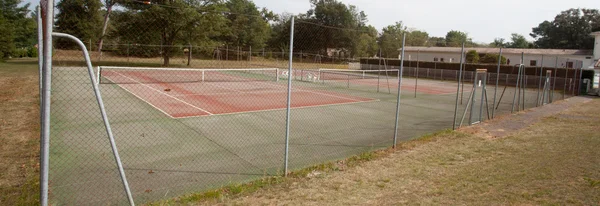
{"points": [[19, 132], [552, 162]]}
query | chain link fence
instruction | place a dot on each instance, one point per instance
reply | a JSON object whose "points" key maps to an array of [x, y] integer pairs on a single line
{"points": [[171, 108]]}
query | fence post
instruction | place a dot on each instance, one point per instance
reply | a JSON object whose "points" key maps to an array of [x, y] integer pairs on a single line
{"points": [[399, 91], [537, 101], [497, 80], [417, 73], [289, 100], [47, 21], [462, 55]]}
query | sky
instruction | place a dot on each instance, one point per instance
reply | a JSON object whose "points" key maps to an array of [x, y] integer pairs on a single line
{"points": [[483, 20]]}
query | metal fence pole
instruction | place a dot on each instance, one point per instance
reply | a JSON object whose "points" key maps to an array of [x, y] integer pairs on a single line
{"points": [[516, 89], [289, 100], [554, 81], [103, 113], [580, 78], [417, 73], [565, 80], [399, 91], [48, 23], [537, 101], [462, 55], [497, 79]]}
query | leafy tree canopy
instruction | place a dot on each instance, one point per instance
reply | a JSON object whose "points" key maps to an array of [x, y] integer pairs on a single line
{"points": [[569, 30]]}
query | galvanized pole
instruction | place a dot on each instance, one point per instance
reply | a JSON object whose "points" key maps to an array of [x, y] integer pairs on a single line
{"points": [[516, 89], [399, 91], [289, 100], [497, 79], [554, 81], [460, 69], [565, 80], [417, 73], [537, 103], [48, 23], [580, 77]]}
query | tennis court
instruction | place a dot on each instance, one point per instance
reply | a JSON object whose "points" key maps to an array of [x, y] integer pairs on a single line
{"points": [[170, 146], [181, 93]]}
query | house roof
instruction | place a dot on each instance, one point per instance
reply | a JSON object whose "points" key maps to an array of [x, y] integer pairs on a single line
{"points": [[504, 51]]}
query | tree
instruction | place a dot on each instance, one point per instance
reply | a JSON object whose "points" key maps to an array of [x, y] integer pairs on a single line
{"points": [[498, 42], [436, 41], [491, 59], [472, 56], [6, 38], [17, 28], [329, 24], [456, 38], [569, 30], [170, 22], [417, 38], [390, 39], [80, 18], [247, 25], [517, 41], [366, 45], [108, 4]]}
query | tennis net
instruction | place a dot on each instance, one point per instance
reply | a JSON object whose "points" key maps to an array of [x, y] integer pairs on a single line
{"points": [[339, 74], [150, 75]]}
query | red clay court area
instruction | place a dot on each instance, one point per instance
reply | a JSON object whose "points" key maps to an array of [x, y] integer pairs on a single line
{"points": [[183, 100]]}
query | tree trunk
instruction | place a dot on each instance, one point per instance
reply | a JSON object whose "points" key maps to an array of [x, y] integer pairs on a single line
{"points": [[104, 26]]}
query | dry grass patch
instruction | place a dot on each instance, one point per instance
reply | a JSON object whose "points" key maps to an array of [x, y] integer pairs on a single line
{"points": [[554, 161], [19, 133]]}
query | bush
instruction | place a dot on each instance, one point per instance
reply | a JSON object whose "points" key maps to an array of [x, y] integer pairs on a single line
{"points": [[32, 52], [472, 57], [491, 59]]}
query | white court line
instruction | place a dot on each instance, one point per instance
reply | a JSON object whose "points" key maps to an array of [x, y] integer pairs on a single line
{"points": [[230, 93], [166, 94], [152, 105], [268, 110]]}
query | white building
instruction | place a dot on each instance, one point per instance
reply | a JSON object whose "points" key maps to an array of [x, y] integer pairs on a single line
{"points": [[532, 57]]}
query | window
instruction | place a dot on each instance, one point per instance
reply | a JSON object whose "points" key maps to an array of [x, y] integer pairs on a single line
{"points": [[442, 59], [533, 63], [570, 65], [435, 59]]}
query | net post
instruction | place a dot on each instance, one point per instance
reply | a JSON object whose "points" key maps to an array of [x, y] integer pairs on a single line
{"points": [[289, 99], [460, 69], [98, 74], [399, 91]]}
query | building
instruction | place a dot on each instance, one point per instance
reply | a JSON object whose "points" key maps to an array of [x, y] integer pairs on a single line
{"points": [[532, 57]]}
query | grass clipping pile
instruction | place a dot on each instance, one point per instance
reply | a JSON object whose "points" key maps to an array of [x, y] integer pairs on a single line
{"points": [[551, 160]]}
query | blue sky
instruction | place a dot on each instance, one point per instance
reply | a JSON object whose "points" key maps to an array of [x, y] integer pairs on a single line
{"points": [[483, 20]]}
